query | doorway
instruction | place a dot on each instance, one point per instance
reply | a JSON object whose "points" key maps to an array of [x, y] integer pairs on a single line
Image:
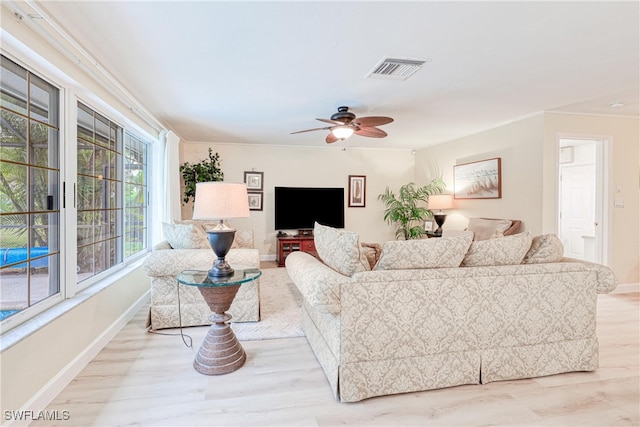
{"points": [[581, 214]]}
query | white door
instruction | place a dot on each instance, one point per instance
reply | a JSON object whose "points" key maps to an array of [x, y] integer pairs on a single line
{"points": [[577, 220], [580, 198]]}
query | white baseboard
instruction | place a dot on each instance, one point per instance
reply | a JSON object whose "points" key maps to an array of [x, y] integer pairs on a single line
{"points": [[49, 392], [267, 257]]}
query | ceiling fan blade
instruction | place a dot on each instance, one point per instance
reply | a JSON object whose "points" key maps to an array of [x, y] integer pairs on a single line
{"points": [[331, 138], [333, 122], [372, 121], [309, 130], [371, 132]]}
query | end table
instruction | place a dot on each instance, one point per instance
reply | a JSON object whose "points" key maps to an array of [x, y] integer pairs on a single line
{"points": [[221, 352]]}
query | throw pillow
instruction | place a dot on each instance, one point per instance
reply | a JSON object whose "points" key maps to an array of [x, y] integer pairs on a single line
{"points": [[340, 250], [484, 228], [201, 230], [545, 248], [372, 252], [440, 252], [185, 236], [507, 250]]}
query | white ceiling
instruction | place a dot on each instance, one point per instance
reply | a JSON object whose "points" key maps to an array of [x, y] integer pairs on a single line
{"points": [[253, 72]]}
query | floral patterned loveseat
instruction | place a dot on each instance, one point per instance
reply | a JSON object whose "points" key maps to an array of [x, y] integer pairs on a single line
{"points": [[436, 313], [186, 247]]}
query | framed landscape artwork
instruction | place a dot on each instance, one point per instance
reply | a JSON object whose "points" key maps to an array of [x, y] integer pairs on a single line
{"points": [[357, 191], [478, 180]]}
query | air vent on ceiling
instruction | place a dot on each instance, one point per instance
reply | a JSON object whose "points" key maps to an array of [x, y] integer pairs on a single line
{"points": [[396, 68]]}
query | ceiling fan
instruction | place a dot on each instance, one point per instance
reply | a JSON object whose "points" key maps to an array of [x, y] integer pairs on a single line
{"points": [[344, 124]]}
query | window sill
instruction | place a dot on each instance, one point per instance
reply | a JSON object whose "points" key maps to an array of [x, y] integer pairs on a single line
{"points": [[21, 332]]}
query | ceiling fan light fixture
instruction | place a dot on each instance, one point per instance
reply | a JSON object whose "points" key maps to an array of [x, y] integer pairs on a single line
{"points": [[342, 132]]}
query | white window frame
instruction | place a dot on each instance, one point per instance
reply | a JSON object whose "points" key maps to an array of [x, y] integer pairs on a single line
{"points": [[69, 96]]}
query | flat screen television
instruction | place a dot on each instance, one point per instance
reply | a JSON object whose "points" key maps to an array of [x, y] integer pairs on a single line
{"points": [[298, 208]]}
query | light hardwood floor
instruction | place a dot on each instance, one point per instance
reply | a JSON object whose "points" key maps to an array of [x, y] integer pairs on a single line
{"points": [[148, 380]]}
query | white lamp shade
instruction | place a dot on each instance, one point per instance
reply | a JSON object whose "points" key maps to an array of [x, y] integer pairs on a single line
{"points": [[441, 201], [342, 132], [220, 200]]}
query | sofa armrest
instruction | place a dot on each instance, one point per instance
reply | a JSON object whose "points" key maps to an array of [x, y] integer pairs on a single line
{"points": [[173, 262], [318, 283], [607, 281], [162, 246]]}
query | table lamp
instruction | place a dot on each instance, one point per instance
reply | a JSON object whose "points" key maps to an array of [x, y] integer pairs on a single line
{"points": [[440, 201], [218, 201]]}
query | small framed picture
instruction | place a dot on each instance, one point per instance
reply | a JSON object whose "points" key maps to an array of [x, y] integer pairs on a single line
{"points": [[253, 180], [255, 201], [428, 226], [357, 191]]}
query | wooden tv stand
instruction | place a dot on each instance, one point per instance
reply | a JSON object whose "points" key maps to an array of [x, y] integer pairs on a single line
{"points": [[290, 244]]}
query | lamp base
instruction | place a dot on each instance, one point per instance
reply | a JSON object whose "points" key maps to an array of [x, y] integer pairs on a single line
{"points": [[220, 241], [440, 218]]}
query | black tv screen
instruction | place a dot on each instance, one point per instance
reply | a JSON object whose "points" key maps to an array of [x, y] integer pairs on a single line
{"points": [[298, 208]]}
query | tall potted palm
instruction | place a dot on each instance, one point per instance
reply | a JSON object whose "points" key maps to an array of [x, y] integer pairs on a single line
{"points": [[404, 211]]}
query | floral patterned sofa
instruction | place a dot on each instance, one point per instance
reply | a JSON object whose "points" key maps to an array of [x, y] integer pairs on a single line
{"points": [[186, 247], [435, 313]]}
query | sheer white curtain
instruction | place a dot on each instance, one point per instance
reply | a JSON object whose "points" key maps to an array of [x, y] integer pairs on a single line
{"points": [[172, 179], [165, 181]]}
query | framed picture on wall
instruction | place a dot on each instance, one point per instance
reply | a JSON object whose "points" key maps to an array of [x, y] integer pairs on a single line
{"points": [[254, 180], [255, 201], [478, 180], [357, 191]]}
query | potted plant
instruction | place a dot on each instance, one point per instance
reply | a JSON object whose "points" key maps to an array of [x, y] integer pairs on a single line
{"points": [[206, 171], [403, 210]]}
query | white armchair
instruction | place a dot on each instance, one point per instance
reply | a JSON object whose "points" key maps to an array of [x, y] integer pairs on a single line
{"points": [[165, 263]]}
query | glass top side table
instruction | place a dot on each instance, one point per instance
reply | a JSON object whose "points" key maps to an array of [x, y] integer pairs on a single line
{"points": [[220, 352]]}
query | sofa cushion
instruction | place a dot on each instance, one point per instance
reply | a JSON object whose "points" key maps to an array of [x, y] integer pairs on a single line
{"points": [[340, 250], [485, 228], [424, 253], [185, 236], [242, 238], [506, 250], [545, 248], [372, 252]]}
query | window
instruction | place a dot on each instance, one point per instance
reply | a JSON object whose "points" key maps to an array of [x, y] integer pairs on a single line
{"points": [[99, 200], [29, 189], [107, 193], [135, 195]]}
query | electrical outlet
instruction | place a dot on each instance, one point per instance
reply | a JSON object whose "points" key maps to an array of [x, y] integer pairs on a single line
{"points": [[618, 203]]}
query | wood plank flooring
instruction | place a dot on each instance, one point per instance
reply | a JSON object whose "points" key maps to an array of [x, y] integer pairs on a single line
{"points": [[143, 379]]}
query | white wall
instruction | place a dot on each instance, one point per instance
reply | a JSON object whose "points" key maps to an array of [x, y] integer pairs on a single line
{"points": [[624, 180], [528, 149], [519, 145], [36, 368], [313, 167]]}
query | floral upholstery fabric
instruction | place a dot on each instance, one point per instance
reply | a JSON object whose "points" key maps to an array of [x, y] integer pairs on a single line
{"points": [[545, 248], [396, 331], [340, 250], [242, 239], [499, 251], [185, 236], [424, 253], [164, 264]]}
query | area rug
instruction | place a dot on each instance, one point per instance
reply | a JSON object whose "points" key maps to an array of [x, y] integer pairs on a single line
{"points": [[280, 306]]}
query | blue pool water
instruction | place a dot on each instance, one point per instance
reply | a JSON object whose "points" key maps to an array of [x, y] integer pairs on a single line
{"points": [[6, 313], [14, 255]]}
